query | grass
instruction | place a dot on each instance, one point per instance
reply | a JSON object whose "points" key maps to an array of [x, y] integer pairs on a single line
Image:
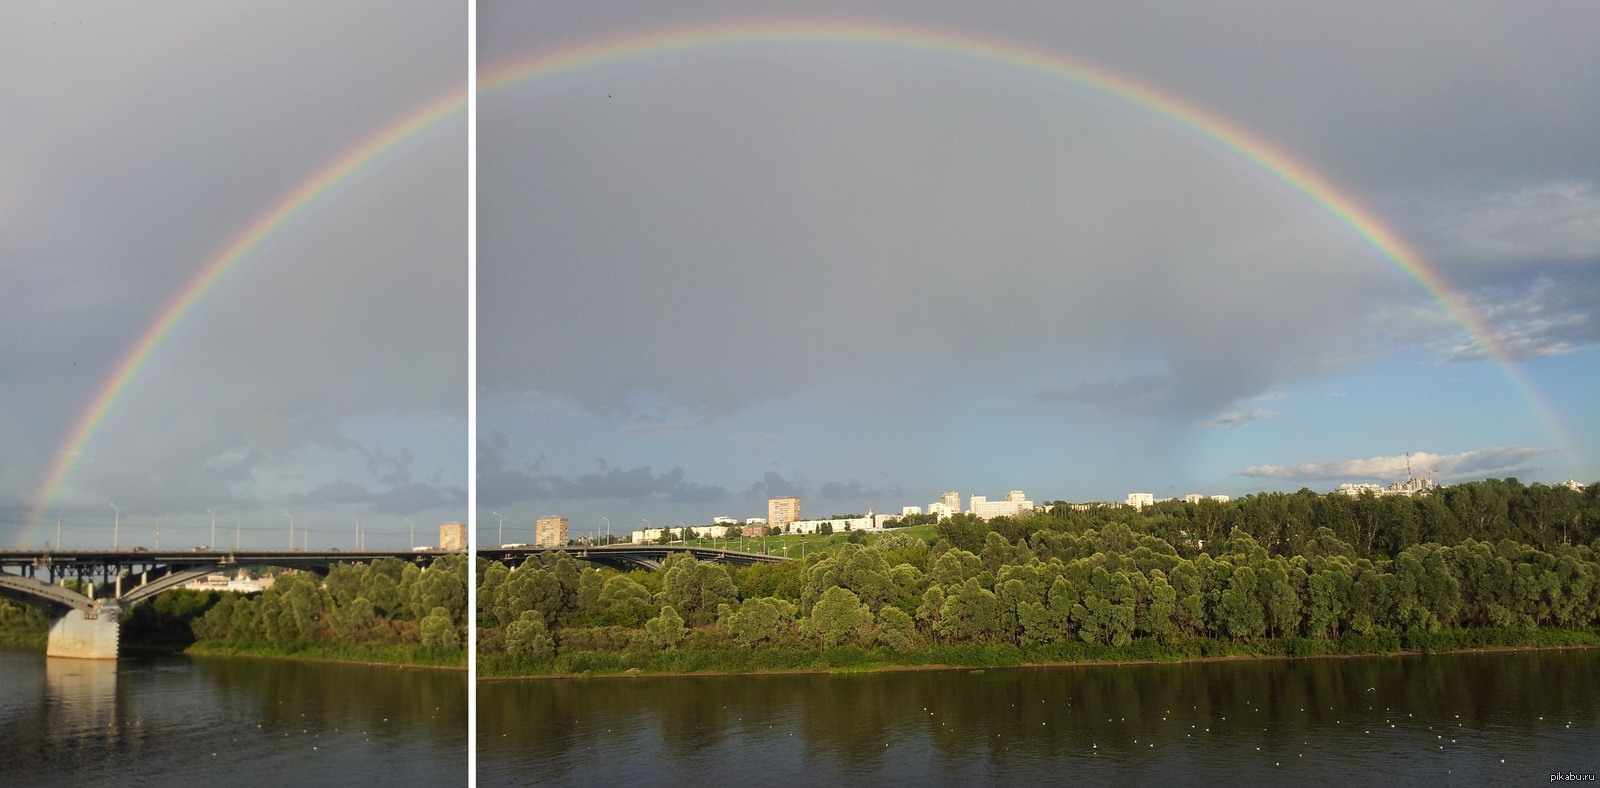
{"points": [[364, 653], [850, 659]]}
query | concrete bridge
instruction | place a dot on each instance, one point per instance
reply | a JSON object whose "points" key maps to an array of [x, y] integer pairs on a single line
{"points": [[628, 556], [84, 623]]}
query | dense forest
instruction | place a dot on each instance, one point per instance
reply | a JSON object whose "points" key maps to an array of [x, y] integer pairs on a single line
{"points": [[389, 610], [1481, 564]]}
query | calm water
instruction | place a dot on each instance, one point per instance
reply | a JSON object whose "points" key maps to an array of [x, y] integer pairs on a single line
{"points": [[1470, 719], [228, 721]]}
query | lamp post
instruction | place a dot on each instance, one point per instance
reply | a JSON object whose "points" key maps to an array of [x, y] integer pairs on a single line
{"points": [[608, 529], [291, 529], [413, 533], [158, 532], [502, 538], [58, 528], [237, 524], [359, 546], [116, 527], [213, 544]]}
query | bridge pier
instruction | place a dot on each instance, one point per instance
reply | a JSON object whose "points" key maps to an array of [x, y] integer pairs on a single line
{"points": [[81, 634]]}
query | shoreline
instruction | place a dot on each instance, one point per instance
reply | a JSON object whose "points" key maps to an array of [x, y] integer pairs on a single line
{"points": [[297, 658], [892, 668]]}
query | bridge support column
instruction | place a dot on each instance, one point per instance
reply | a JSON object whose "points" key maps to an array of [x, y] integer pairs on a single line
{"points": [[85, 635]]}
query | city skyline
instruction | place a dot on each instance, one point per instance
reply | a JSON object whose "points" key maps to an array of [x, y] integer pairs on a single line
{"points": [[728, 254]]}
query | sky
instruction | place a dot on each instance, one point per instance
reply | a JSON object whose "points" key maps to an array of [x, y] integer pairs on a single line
{"points": [[864, 272], [320, 382]]}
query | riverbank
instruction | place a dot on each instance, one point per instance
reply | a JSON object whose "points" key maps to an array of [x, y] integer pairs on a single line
{"points": [[391, 655], [851, 659]]}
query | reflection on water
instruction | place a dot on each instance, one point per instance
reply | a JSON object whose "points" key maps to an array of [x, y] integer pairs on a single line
{"points": [[187, 721], [1394, 720]]}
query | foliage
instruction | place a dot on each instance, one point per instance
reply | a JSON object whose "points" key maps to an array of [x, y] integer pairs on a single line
{"points": [[1292, 575]]}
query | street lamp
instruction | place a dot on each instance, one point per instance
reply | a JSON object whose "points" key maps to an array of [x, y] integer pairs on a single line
{"points": [[359, 546], [291, 529], [213, 544], [116, 527], [502, 539], [413, 533]]}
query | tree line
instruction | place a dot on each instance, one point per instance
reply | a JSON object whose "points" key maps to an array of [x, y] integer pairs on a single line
{"points": [[1110, 578], [386, 602]]}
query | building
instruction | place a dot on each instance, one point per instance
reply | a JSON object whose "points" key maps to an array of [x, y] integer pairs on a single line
{"points": [[1140, 500], [453, 537], [1197, 498], [948, 505], [1014, 504], [907, 511], [782, 511], [552, 532], [867, 523], [240, 583]]}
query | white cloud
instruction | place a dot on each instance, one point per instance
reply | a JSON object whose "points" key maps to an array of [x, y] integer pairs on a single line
{"points": [[1482, 463]]}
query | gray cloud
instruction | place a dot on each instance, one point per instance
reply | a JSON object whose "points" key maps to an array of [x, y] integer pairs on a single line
{"points": [[188, 123], [1549, 222], [1236, 419]]}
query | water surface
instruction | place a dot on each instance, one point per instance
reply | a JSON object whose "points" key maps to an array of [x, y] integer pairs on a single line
{"points": [[1461, 719], [228, 720]]}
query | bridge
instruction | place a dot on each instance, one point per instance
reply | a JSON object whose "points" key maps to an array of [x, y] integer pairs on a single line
{"points": [[628, 556], [84, 623]]}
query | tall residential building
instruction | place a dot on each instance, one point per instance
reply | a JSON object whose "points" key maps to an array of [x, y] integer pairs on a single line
{"points": [[453, 537], [552, 532], [782, 511], [1141, 500]]}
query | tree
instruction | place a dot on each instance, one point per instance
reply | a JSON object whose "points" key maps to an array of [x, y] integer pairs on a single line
{"points": [[838, 615], [760, 619], [666, 630], [895, 628], [528, 636], [623, 602], [439, 632]]}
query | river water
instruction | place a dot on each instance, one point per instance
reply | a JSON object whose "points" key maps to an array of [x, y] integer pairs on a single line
{"points": [[228, 721], [1460, 719]]}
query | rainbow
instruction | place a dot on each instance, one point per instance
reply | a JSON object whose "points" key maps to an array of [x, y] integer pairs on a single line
{"points": [[1187, 118], [251, 238]]}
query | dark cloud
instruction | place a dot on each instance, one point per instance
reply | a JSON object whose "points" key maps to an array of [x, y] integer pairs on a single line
{"points": [[856, 491], [773, 485], [499, 483]]}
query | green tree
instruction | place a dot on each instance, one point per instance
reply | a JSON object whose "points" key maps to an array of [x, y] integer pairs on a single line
{"points": [[666, 630], [838, 615], [528, 636]]}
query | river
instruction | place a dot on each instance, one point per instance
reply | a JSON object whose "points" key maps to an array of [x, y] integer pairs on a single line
{"points": [[232, 721], [1507, 718]]}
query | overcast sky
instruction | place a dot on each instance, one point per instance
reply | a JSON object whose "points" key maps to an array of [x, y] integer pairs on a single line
{"points": [[325, 375], [866, 276]]}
